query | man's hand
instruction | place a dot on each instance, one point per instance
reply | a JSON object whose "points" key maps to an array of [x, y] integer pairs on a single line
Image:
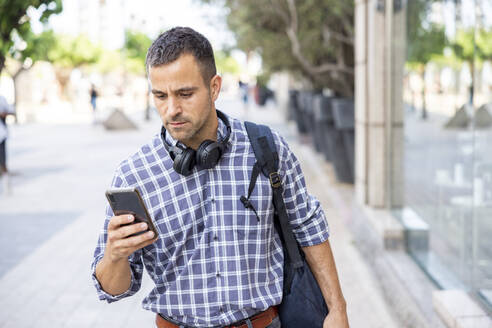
{"points": [[336, 319], [119, 245], [113, 271]]}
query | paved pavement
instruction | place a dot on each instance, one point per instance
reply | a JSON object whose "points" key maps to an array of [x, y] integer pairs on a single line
{"points": [[50, 222]]}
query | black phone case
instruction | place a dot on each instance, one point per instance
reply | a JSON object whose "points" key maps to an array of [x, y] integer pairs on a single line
{"points": [[129, 201]]}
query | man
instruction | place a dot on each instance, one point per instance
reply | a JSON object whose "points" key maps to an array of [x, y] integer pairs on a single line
{"points": [[214, 263]]}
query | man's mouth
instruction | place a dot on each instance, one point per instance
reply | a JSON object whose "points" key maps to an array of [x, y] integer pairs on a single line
{"points": [[177, 124]]}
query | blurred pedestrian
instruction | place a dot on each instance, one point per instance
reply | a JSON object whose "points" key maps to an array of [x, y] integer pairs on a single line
{"points": [[5, 110], [244, 94], [93, 94], [218, 260]]}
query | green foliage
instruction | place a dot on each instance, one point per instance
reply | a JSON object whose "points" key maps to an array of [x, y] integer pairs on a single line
{"points": [[37, 46], [135, 48], [14, 20], [430, 44], [426, 40], [134, 65], [463, 46], [263, 26], [70, 52], [484, 43], [226, 64], [265, 36], [473, 44], [447, 59], [110, 60]]}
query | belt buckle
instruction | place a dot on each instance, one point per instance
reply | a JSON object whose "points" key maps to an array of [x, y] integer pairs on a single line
{"points": [[243, 322], [252, 319]]}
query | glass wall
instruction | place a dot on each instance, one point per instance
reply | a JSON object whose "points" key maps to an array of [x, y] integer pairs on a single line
{"points": [[448, 140]]}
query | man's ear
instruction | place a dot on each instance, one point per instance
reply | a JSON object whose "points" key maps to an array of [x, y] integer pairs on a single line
{"points": [[215, 85]]}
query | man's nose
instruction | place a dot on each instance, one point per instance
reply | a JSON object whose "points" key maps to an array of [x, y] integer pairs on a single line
{"points": [[173, 106]]}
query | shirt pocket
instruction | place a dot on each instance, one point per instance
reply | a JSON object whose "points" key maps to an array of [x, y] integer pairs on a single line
{"points": [[257, 211]]}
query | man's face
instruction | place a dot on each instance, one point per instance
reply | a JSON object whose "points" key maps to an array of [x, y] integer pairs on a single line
{"points": [[184, 102]]}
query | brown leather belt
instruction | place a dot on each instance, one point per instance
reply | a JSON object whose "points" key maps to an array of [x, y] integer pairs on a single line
{"points": [[261, 320]]}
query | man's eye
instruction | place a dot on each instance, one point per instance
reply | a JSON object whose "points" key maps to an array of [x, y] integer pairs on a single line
{"points": [[186, 94], [162, 96]]}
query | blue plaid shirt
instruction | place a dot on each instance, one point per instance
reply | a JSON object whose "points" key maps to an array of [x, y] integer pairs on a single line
{"points": [[214, 262]]}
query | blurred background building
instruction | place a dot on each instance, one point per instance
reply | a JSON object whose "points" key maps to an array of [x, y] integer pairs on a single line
{"points": [[423, 123]]}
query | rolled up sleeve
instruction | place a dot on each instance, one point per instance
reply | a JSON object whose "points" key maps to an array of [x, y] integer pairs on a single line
{"points": [[306, 216], [135, 259]]}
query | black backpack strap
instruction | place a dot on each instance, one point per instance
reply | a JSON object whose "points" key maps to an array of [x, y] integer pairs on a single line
{"points": [[263, 144], [262, 132], [245, 200]]}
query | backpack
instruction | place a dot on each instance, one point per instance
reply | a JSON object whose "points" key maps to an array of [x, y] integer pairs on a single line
{"points": [[302, 304]]}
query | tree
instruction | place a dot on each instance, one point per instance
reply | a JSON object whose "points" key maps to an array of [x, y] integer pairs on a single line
{"points": [[484, 43], [430, 44], [312, 38], [464, 50], [71, 52], [472, 46], [225, 63], [109, 61], [426, 41], [36, 47], [16, 22], [135, 48]]}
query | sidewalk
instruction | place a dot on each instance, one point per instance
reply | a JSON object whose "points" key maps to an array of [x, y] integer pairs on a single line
{"points": [[49, 225]]}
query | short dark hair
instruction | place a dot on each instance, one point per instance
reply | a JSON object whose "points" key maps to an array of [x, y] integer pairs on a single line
{"points": [[171, 44]]}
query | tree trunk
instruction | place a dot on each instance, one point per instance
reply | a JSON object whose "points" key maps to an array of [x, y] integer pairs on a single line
{"points": [[15, 78], [2, 63], [63, 77], [472, 85], [339, 73], [147, 103], [457, 80], [424, 92], [413, 101]]}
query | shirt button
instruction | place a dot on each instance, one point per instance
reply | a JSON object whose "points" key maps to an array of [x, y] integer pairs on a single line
{"points": [[216, 238], [212, 200], [217, 275]]}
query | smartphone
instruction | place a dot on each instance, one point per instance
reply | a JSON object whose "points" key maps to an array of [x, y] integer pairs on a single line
{"points": [[129, 201]]}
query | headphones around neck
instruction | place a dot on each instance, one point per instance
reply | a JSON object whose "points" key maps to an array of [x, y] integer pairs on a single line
{"points": [[206, 156]]}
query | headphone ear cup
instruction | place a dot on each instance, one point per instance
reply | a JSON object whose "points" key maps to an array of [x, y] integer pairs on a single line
{"points": [[208, 154], [185, 161]]}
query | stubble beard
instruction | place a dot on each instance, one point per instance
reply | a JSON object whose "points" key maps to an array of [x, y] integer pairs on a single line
{"points": [[187, 136]]}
